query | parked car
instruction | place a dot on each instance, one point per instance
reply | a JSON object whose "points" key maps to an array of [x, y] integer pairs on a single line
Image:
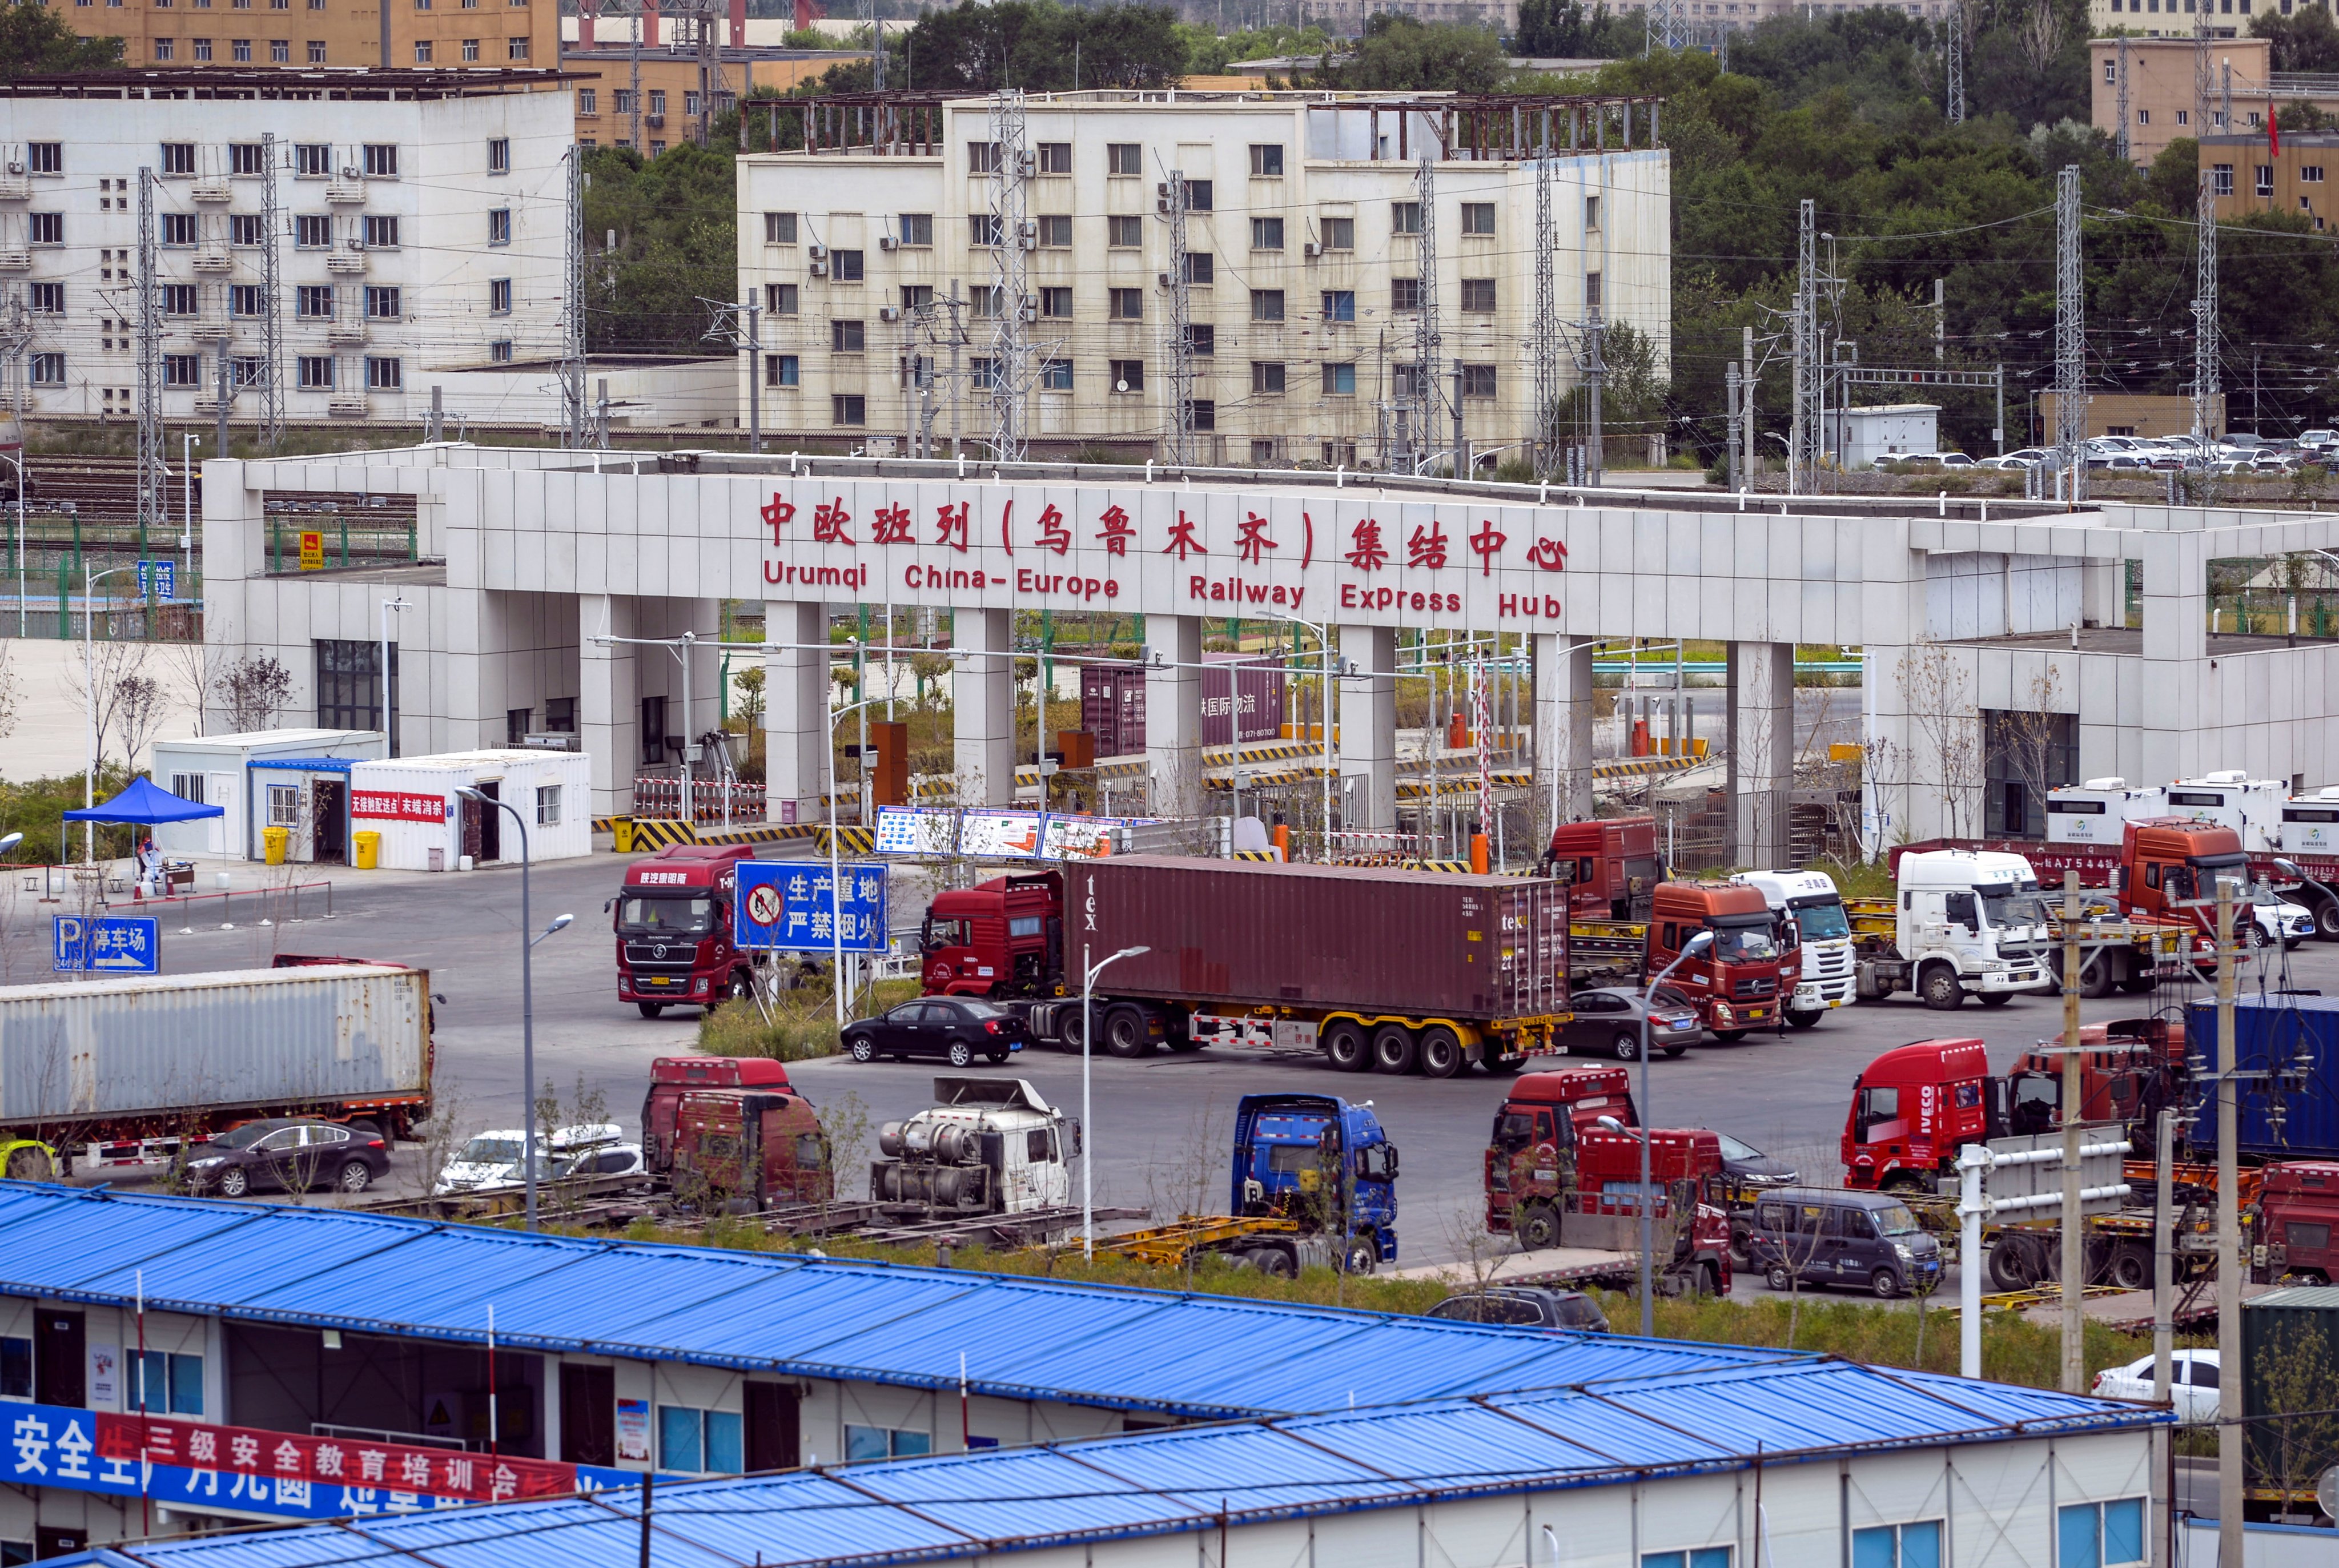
{"points": [[1829, 1236], [611, 1159], [293, 1153], [957, 1027], [1608, 1021], [1525, 1306], [2192, 1383], [2283, 920], [1746, 1165], [2016, 462], [491, 1159]]}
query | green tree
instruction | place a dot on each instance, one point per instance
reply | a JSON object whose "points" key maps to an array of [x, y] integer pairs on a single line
{"points": [[1039, 44], [677, 243], [1568, 30], [35, 42], [1400, 54], [2305, 40]]}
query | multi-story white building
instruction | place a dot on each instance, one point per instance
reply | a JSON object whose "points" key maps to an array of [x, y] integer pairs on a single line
{"points": [[416, 224], [1304, 244]]}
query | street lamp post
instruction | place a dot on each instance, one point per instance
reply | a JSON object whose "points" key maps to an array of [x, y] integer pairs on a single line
{"points": [[1323, 712], [1088, 1030], [89, 700], [187, 444], [389, 720], [1695, 944], [528, 939], [835, 903], [18, 463]]}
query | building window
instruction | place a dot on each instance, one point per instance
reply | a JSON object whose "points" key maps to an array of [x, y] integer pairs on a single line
{"points": [[1201, 268], [2265, 178], [1056, 303], [918, 229], [780, 370], [1340, 233], [500, 352], [657, 101], [2310, 174], [1266, 233], [1405, 294], [1266, 160], [312, 159], [983, 157], [384, 375], [1124, 234], [316, 45], [589, 100], [162, 1382], [982, 230], [1478, 296], [848, 409], [165, 50], [2099, 1534], [47, 298], [1056, 229], [313, 302], [1055, 375], [1202, 339], [1124, 158], [247, 228], [183, 370], [247, 300], [983, 373], [1594, 295], [1267, 304], [1266, 375], [498, 155], [381, 160], [203, 49], [2221, 179], [845, 337], [1055, 157], [1478, 218], [865, 1444], [380, 231], [919, 297], [845, 266], [780, 299], [499, 226], [317, 371], [1204, 412], [470, 48], [1696, 1557], [45, 157], [178, 228], [1127, 375], [1477, 380], [779, 228], [285, 805], [548, 805], [499, 296], [246, 370], [516, 49], [1340, 380], [48, 369], [349, 683], [2144, 116], [1915, 1545], [1339, 304], [689, 103], [2024, 755], [178, 298], [381, 304], [560, 715], [422, 51], [983, 300], [1405, 217], [1197, 196], [1127, 304], [48, 228], [239, 49]]}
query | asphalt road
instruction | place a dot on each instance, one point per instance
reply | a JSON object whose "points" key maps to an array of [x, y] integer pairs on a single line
{"points": [[1158, 1127]]}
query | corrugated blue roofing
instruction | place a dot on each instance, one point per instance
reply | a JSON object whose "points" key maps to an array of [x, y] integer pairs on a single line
{"points": [[1199, 1356], [1199, 1478]]}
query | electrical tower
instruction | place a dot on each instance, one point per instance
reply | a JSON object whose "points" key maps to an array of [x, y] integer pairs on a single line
{"points": [[1665, 26], [1179, 348], [2120, 83], [2201, 77], [1953, 63], [2205, 315], [15, 342], [2070, 335], [739, 328], [877, 44], [1010, 196], [271, 319], [574, 431], [1804, 431], [1426, 344], [153, 510], [1545, 425]]}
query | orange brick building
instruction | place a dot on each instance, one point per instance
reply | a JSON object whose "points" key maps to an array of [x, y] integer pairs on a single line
{"points": [[247, 34]]}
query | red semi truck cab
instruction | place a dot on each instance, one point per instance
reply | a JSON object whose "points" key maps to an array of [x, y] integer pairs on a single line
{"points": [[2297, 1209], [1913, 1109], [673, 921], [2167, 862], [1529, 1158], [673, 1077], [1610, 864], [1737, 980], [999, 937]]}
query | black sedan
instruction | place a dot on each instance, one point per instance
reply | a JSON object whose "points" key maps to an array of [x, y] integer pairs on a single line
{"points": [[1525, 1306], [1745, 1166], [289, 1152], [1608, 1022], [957, 1027]]}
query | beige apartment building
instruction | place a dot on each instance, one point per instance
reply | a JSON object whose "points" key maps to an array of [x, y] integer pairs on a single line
{"points": [[1304, 276], [2163, 90], [247, 35]]}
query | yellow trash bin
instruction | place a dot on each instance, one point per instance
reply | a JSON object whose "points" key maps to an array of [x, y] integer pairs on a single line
{"points": [[274, 840], [622, 830], [369, 849]]}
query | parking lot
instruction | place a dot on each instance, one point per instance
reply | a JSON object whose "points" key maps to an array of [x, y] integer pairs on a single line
{"points": [[1159, 1125]]}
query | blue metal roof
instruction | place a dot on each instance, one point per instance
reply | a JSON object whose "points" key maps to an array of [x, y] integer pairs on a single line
{"points": [[1194, 1355], [1200, 1478]]}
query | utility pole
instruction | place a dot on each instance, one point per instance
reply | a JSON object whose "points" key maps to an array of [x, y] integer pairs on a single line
{"points": [[2232, 1436], [1544, 425], [1461, 446], [1731, 379], [723, 327], [1804, 430], [2074, 1225], [1009, 198], [226, 392], [2070, 337], [573, 415], [1427, 346], [2163, 1285], [1596, 381], [1179, 349], [1953, 64], [634, 85], [2120, 86], [957, 341], [1940, 319], [153, 495], [2205, 318], [1746, 399], [271, 319]]}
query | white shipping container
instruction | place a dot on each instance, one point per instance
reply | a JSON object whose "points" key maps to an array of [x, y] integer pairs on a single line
{"points": [[413, 803], [2251, 807], [177, 1046], [2097, 811], [2309, 823]]}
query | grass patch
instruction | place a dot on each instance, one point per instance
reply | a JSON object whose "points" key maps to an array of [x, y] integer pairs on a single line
{"points": [[802, 1026]]}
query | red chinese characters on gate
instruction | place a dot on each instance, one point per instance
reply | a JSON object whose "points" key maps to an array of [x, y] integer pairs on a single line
{"points": [[289, 1459], [956, 525], [390, 805]]}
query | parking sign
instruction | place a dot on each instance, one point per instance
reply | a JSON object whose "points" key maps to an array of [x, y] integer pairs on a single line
{"points": [[791, 906], [107, 945]]}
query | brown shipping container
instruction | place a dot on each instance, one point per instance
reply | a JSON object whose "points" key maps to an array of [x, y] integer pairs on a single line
{"points": [[1372, 939]]}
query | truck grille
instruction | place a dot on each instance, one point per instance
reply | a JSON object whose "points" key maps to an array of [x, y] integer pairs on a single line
{"points": [[1754, 987], [661, 957], [1827, 963]]}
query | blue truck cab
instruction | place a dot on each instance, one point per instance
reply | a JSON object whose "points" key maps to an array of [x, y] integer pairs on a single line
{"points": [[1317, 1160]]}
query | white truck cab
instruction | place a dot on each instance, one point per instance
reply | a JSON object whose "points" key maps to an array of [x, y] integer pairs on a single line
{"points": [[1968, 922], [988, 1146], [1814, 921], [2231, 798], [2098, 811]]}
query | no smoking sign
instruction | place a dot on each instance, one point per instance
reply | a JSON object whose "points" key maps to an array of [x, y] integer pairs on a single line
{"points": [[763, 904]]}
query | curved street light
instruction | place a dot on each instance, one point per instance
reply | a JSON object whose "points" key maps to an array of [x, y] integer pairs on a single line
{"points": [[1088, 1033]]}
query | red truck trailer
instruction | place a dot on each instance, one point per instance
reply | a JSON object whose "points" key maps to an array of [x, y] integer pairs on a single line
{"points": [[1580, 1188], [736, 1129], [1371, 967], [673, 921]]}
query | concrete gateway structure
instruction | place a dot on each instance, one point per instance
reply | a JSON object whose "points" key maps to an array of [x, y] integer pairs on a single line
{"points": [[538, 560]]}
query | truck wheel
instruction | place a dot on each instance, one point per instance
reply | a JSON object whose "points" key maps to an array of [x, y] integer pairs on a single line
{"points": [[1884, 1284], [1625, 1044], [650, 1008], [2095, 978], [1394, 1051], [1442, 1055], [2012, 1264], [1068, 1031], [2327, 920], [961, 1053], [30, 1164], [1729, 1036], [2138, 985], [1360, 1257], [1802, 1019], [1124, 1031], [1276, 1263], [2131, 1269], [1940, 990], [1346, 1048], [1538, 1228], [1999, 997]]}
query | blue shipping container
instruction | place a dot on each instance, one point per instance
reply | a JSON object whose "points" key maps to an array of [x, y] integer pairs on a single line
{"points": [[2268, 1032]]}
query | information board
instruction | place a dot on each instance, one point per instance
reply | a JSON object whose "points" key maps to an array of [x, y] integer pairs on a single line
{"points": [[107, 945], [791, 906]]}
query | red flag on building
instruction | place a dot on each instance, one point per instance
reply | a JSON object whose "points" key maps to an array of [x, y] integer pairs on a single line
{"points": [[2274, 134]]}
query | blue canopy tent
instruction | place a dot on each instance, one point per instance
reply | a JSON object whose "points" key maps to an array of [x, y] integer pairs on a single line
{"points": [[143, 805]]}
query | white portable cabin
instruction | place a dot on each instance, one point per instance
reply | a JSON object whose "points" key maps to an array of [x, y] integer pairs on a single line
{"points": [[2098, 811], [2310, 823], [2231, 798], [307, 769], [415, 804]]}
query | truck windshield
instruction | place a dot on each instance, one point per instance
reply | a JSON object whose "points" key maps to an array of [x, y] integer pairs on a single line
{"points": [[1822, 922], [665, 916], [944, 933], [1896, 1221], [2003, 906], [1749, 943]]}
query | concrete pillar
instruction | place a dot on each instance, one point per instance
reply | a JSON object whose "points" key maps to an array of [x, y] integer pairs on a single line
{"points": [[1367, 727], [2176, 650], [608, 692], [1562, 727], [1761, 738], [1173, 714], [795, 707], [982, 699], [2103, 594]]}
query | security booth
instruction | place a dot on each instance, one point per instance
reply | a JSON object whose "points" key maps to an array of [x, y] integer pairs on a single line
{"points": [[426, 823], [306, 800], [222, 771]]}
